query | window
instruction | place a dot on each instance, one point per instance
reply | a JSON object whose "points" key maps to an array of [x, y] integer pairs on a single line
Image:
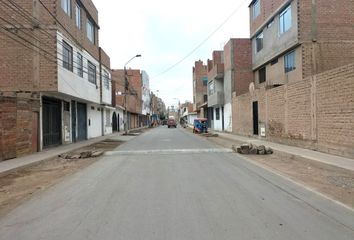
{"points": [[285, 20], [205, 98], [91, 72], [90, 30], [211, 88], [78, 16], [106, 79], [205, 81], [194, 84], [67, 56], [259, 42], [217, 113], [262, 75], [256, 9], [80, 64], [289, 62], [66, 6]]}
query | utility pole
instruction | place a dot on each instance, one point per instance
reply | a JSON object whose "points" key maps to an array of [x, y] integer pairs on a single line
{"points": [[126, 92]]}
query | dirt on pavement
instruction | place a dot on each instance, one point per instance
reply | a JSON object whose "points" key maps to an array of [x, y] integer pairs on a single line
{"points": [[19, 186], [334, 182]]}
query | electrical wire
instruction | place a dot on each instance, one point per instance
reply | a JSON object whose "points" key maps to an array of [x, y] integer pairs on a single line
{"points": [[202, 42]]}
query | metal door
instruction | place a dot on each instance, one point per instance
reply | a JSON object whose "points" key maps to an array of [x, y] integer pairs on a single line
{"points": [[255, 118], [51, 122], [81, 121], [114, 122]]}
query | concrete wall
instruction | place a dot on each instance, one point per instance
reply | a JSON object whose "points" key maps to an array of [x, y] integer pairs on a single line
{"points": [[71, 83], [275, 43], [275, 73], [228, 117], [316, 112]]}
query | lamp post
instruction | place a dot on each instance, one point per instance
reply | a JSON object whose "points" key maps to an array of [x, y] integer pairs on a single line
{"points": [[126, 91]]}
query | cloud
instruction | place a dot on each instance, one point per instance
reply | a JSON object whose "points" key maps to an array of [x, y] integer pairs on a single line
{"points": [[164, 32]]}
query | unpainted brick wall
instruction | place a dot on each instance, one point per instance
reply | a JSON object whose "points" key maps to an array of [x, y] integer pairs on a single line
{"points": [[16, 125], [315, 113]]}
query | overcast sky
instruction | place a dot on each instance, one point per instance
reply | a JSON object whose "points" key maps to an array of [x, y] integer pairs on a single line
{"points": [[164, 32]]}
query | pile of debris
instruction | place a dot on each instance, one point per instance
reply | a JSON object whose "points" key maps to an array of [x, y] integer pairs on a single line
{"points": [[85, 154], [249, 148]]}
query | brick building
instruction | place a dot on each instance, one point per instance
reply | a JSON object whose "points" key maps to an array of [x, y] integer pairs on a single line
{"points": [[302, 55], [55, 79], [140, 102], [200, 82]]}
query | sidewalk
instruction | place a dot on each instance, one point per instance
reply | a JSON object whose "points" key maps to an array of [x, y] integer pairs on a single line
{"points": [[334, 160], [18, 163]]}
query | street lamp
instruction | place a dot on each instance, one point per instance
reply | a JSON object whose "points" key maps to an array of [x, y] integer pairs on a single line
{"points": [[126, 89]]}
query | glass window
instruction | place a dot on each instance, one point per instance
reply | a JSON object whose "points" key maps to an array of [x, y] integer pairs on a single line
{"points": [[91, 72], [289, 62], [262, 75], [66, 6], [106, 79], [78, 16], [259, 42], [90, 30], [205, 98], [67, 56], [285, 20], [256, 9], [80, 64], [211, 88], [205, 81], [217, 113]]}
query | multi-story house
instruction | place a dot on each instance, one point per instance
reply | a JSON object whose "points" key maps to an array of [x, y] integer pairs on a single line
{"points": [[237, 74], [216, 91], [54, 75], [200, 82], [301, 56]]}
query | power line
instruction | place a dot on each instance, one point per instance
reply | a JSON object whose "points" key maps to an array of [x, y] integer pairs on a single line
{"points": [[202, 42], [81, 68], [24, 13]]}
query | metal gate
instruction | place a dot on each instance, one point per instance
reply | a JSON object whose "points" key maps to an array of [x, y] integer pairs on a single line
{"points": [[81, 121], [73, 121], [51, 122]]}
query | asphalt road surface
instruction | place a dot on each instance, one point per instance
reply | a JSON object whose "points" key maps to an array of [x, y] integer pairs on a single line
{"points": [[170, 184]]}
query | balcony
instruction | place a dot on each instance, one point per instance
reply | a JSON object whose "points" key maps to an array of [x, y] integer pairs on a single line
{"points": [[217, 72], [216, 99]]}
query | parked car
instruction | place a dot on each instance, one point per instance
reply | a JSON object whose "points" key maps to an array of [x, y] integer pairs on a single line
{"points": [[171, 123], [164, 122]]}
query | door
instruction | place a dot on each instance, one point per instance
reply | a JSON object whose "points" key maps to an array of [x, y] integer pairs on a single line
{"points": [[51, 122], [81, 121], [73, 121], [255, 118], [114, 122], [222, 119]]}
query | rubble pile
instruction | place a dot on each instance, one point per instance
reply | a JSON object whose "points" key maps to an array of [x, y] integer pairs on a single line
{"points": [[81, 155], [249, 148]]}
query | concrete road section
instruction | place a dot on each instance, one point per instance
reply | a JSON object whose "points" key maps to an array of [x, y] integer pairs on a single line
{"points": [[177, 190]]}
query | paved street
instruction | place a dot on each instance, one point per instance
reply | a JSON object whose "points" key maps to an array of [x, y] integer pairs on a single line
{"points": [[182, 187]]}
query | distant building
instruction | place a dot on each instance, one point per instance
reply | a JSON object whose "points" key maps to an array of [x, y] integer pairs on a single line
{"points": [[200, 82]]}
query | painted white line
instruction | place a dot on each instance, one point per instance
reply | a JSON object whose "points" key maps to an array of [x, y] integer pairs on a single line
{"points": [[169, 151]]}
